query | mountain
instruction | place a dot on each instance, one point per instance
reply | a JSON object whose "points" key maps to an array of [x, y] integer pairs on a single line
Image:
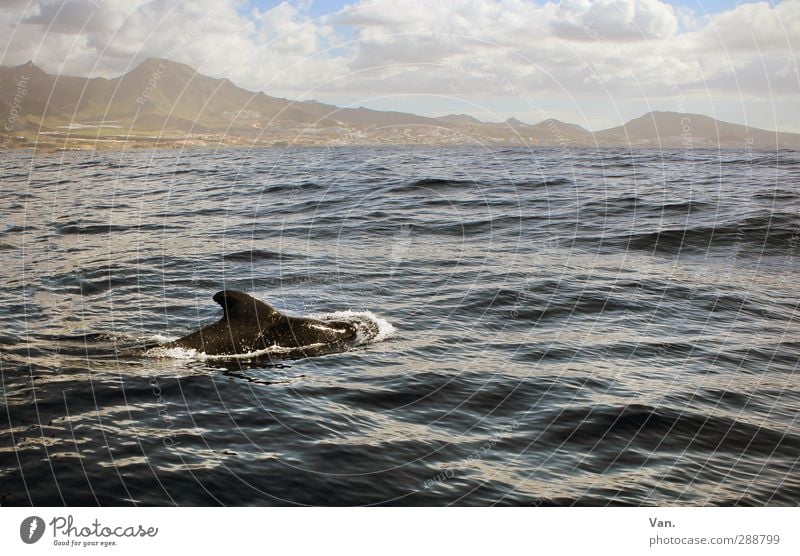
{"points": [[166, 102], [157, 95], [562, 132], [692, 130], [513, 122], [459, 119]]}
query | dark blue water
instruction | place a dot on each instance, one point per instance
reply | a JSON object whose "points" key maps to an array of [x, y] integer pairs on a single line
{"points": [[557, 327]]}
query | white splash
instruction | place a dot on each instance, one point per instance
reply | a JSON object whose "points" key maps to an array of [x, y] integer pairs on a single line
{"points": [[272, 350], [172, 353], [160, 338], [370, 328]]}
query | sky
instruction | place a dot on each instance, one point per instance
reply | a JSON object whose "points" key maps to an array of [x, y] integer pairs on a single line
{"points": [[596, 63]]}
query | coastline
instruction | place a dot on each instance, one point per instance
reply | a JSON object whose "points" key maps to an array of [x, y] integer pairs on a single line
{"points": [[51, 143]]}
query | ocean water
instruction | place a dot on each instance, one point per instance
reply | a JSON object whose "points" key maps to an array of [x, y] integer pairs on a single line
{"points": [[555, 327]]}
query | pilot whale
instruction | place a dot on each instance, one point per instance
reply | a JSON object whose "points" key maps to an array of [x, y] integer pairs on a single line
{"points": [[250, 325]]}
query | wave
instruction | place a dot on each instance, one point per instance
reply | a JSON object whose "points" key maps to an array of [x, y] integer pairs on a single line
{"points": [[79, 228], [545, 300], [441, 183], [613, 205], [97, 279], [257, 255], [681, 206], [433, 183], [285, 187], [767, 231], [760, 159], [546, 182], [777, 196], [666, 429], [91, 344]]}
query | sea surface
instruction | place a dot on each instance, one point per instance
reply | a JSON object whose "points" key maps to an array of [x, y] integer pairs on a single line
{"points": [[555, 327]]}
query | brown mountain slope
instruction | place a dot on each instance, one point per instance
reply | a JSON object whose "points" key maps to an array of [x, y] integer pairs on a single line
{"points": [[161, 97], [688, 130]]}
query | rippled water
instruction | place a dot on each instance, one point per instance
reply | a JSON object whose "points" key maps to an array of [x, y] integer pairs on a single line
{"points": [[559, 327]]}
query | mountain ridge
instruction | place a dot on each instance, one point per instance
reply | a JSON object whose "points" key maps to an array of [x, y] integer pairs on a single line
{"points": [[160, 99]]}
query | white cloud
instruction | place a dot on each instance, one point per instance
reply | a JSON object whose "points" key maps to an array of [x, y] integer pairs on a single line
{"points": [[607, 52], [756, 26], [620, 49], [72, 17], [634, 20], [278, 50]]}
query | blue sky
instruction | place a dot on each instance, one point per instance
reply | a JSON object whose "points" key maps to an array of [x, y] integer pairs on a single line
{"points": [[314, 9], [706, 6], [318, 9]]}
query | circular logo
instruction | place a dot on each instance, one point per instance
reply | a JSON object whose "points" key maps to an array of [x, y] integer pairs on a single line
{"points": [[31, 529]]}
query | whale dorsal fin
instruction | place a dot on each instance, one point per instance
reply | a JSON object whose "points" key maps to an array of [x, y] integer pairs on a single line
{"points": [[238, 306]]}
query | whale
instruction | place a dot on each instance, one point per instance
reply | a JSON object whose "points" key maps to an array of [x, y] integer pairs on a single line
{"points": [[250, 325]]}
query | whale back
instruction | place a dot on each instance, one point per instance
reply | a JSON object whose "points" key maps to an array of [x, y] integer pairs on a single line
{"points": [[238, 307], [249, 325]]}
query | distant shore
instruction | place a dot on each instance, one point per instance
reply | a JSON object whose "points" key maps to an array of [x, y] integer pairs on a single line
{"points": [[166, 104], [62, 143]]}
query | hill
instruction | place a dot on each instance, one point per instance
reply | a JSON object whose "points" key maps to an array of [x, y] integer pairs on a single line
{"points": [[164, 101], [692, 130]]}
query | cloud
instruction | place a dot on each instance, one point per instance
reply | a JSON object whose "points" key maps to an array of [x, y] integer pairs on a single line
{"points": [[574, 51], [759, 26], [619, 47], [618, 20], [69, 17], [277, 50]]}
